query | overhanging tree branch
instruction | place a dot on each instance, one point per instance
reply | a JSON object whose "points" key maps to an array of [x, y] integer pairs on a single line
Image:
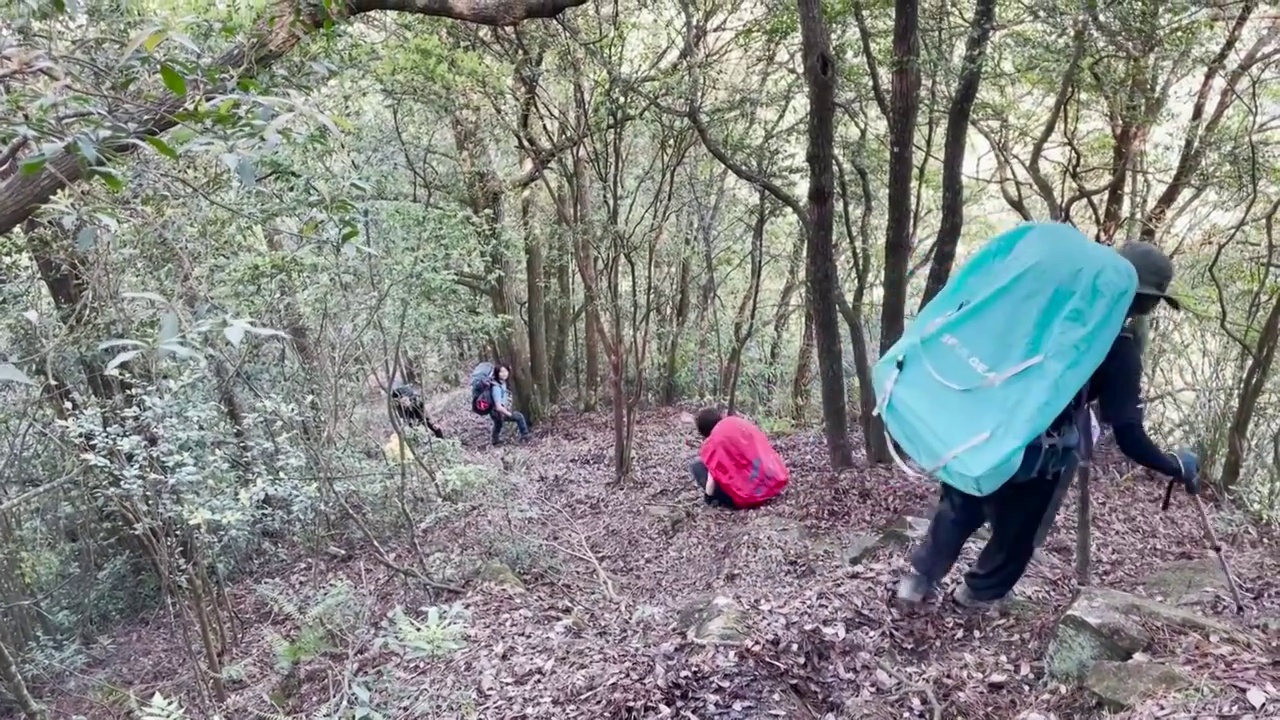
{"points": [[286, 23]]}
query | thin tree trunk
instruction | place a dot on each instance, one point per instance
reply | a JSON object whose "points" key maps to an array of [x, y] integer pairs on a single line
{"points": [[17, 687], [804, 369], [582, 232], [1251, 388], [952, 220], [782, 314], [744, 321], [681, 318], [563, 325]]}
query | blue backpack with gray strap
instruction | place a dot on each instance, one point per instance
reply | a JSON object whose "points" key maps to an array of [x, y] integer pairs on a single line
{"points": [[1000, 354]]}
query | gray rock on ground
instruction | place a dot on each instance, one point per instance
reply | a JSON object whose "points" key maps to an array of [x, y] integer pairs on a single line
{"points": [[1186, 582], [1101, 632], [905, 530], [501, 575], [713, 620], [1123, 685]]}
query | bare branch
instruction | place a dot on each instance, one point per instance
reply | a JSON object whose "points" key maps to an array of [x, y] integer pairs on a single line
{"points": [[273, 37], [1064, 91]]}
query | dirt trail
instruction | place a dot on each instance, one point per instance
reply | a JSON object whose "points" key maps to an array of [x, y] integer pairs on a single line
{"points": [[587, 590]]}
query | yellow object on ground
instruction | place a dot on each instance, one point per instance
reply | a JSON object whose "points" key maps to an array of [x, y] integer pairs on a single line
{"points": [[392, 451]]}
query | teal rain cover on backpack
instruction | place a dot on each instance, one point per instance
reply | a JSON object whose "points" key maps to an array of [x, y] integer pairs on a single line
{"points": [[1001, 351]]}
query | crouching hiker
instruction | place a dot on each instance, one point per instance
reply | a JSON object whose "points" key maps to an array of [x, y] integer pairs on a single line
{"points": [[409, 406], [737, 467], [952, 364]]}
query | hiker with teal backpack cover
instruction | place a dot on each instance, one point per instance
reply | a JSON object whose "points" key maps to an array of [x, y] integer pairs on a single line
{"points": [[988, 387]]}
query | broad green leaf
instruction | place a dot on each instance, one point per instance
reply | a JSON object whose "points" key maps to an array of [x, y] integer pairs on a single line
{"points": [[121, 359], [9, 373], [87, 150], [33, 164], [153, 41], [173, 80], [86, 238], [169, 327], [162, 147], [149, 37], [247, 174], [110, 177]]}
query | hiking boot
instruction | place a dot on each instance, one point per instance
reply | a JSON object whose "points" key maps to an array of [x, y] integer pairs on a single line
{"points": [[963, 597], [914, 589]]}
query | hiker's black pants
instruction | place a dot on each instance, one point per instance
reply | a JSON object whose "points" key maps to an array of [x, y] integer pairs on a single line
{"points": [[717, 497], [499, 420], [1015, 512]]}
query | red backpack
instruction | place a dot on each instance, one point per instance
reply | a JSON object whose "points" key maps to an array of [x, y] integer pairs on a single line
{"points": [[743, 463]]}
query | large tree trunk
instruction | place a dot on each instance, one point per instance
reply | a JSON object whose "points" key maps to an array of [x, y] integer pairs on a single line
{"points": [[904, 106], [527, 71], [873, 434], [820, 264], [486, 198], [282, 27], [952, 221], [559, 374], [537, 312]]}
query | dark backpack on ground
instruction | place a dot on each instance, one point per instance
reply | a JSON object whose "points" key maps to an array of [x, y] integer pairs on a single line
{"points": [[482, 389]]}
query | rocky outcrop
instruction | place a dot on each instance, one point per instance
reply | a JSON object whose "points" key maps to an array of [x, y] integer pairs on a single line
{"points": [[905, 530], [1186, 582], [712, 620], [1093, 629], [1123, 685], [499, 574], [672, 518], [1101, 633]]}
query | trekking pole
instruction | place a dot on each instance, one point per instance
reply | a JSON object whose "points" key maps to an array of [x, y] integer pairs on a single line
{"points": [[1212, 537]]}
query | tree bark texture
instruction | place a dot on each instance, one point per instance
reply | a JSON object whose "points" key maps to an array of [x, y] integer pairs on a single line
{"points": [[820, 261], [904, 106]]}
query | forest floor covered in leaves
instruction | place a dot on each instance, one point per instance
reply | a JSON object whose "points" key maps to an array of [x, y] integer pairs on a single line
{"points": [[589, 599]]}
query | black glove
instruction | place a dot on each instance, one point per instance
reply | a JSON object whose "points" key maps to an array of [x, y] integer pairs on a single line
{"points": [[1190, 466]]}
